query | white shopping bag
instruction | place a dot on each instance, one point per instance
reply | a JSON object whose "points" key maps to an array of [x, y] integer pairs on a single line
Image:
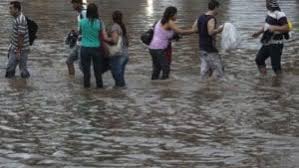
{"points": [[230, 37]]}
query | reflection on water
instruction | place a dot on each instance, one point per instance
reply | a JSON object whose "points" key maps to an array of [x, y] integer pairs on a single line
{"points": [[150, 8], [244, 121]]}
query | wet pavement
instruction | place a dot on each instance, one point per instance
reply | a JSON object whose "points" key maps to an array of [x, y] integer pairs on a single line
{"points": [[244, 121]]}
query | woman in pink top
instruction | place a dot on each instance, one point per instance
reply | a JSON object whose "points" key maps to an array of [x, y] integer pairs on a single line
{"points": [[164, 31]]}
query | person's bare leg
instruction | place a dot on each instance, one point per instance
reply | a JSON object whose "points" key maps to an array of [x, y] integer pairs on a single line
{"points": [[71, 69]]}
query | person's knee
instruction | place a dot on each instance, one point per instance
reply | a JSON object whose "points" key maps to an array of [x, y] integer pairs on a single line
{"points": [[258, 61], [68, 62], [117, 73], [220, 72], [205, 70], [11, 66], [276, 68], [10, 74], [25, 74]]}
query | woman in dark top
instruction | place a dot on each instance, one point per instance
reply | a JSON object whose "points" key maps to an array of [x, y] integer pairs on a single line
{"points": [[90, 29]]}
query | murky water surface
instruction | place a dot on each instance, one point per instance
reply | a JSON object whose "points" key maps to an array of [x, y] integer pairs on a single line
{"points": [[243, 122]]}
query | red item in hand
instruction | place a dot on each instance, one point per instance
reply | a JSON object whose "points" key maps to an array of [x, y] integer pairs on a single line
{"points": [[168, 53]]}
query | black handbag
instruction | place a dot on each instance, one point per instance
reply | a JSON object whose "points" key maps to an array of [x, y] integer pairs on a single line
{"points": [[147, 36]]}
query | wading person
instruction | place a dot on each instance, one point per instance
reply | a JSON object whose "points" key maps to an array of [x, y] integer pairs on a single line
{"points": [[119, 60], [206, 25], [19, 42], [80, 7], [91, 29], [274, 31], [164, 31]]}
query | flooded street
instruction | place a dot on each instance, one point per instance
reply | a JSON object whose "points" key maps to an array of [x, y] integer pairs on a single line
{"points": [[245, 121]]}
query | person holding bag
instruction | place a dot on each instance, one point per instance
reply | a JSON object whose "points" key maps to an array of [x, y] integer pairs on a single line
{"points": [[275, 31], [91, 29], [118, 49]]}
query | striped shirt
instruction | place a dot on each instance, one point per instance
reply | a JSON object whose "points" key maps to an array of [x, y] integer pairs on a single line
{"points": [[19, 27], [276, 18]]}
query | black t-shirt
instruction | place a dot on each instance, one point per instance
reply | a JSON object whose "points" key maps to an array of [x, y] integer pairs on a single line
{"points": [[206, 42]]}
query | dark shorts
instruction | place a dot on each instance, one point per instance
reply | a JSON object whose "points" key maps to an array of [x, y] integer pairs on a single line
{"points": [[274, 51]]}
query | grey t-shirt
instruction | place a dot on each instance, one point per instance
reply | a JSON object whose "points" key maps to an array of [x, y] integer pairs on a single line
{"points": [[116, 28]]}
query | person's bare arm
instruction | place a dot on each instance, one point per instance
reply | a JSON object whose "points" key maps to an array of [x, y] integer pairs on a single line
{"points": [[20, 45], [194, 27], [105, 37], [114, 37], [20, 40], [258, 33], [211, 28], [178, 30], [282, 29], [22, 27]]}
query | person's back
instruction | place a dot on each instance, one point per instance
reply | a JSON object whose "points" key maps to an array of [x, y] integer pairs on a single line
{"points": [[206, 41], [161, 37], [90, 51], [90, 32]]}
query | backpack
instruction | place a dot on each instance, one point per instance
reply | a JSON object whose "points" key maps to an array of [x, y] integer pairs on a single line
{"points": [[72, 38], [32, 30]]}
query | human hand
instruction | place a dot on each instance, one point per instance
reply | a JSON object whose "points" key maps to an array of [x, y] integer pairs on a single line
{"points": [[220, 28], [255, 35]]}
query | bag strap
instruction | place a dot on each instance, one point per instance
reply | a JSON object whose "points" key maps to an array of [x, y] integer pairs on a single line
{"points": [[154, 25]]}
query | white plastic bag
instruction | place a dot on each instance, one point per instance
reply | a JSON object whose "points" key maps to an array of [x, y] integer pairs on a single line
{"points": [[230, 37], [115, 49]]}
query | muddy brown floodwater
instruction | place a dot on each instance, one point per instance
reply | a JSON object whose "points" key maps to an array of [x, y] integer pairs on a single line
{"points": [[245, 121]]}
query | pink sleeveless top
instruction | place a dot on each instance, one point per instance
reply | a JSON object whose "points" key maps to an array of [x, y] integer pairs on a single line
{"points": [[161, 37]]}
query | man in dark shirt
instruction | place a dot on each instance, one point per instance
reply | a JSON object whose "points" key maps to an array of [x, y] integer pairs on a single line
{"points": [[274, 29], [206, 26]]}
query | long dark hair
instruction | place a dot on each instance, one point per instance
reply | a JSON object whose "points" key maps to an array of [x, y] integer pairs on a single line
{"points": [[168, 14], [117, 18], [92, 12]]}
